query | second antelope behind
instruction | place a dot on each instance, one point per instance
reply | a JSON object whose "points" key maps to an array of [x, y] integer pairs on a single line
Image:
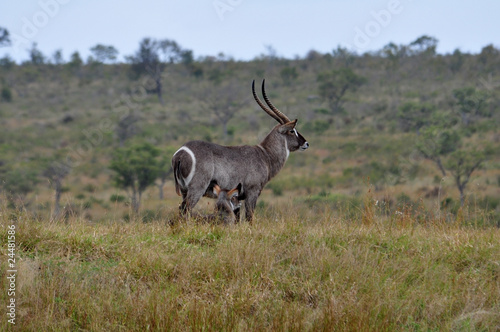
{"points": [[228, 204], [198, 165]]}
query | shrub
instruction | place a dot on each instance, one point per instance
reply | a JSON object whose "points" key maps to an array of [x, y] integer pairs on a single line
{"points": [[349, 147], [90, 188], [334, 200], [276, 187], [352, 172], [148, 216], [6, 94], [80, 196], [488, 203], [316, 127], [116, 198]]}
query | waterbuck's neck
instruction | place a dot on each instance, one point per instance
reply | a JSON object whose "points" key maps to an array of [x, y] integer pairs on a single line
{"points": [[275, 148]]}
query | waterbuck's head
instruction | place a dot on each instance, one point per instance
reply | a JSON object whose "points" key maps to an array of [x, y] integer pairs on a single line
{"points": [[286, 128], [228, 202]]}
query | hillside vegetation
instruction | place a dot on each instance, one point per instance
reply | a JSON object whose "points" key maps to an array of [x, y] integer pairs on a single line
{"points": [[410, 108]]}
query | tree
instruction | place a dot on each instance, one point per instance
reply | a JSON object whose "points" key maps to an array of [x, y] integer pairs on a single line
{"points": [[4, 37], [488, 55], [288, 75], [127, 127], [413, 116], [345, 56], [461, 165], [424, 45], [152, 58], [56, 172], [6, 94], [395, 52], [75, 61], [7, 62], [436, 142], [36, 56], [104, 53], [471, 104], [441, 140], [187, 59], [457, 60], [17, 183], [224, 101], [57, 58], [165, 169], [334, 85], [136, 167]]}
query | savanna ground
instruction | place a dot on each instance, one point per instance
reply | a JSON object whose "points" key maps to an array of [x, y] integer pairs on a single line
{"points": [[293, 269]]}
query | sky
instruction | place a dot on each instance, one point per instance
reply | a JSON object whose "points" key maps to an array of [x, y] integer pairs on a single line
{"points": [[244, 29]]}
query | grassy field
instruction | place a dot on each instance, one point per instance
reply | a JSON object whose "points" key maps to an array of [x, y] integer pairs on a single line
{"points": [[294, 269]]}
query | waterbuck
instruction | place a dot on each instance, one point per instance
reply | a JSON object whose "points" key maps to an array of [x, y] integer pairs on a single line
{"points": [[227, 206], [199, 165]]}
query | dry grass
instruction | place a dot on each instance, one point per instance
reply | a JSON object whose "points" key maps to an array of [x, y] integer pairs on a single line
{"points": [[308, 271]]}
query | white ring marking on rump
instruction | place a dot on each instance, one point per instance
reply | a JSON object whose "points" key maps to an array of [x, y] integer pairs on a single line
{"points": [[191, 173]]}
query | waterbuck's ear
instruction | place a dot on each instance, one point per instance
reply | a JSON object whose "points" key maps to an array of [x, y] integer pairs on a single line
{"points": [[288, 126], [235, 192], [216, 190]]}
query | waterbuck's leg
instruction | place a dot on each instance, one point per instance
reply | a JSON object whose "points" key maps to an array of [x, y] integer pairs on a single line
{"points": [[250, 203], [183, 206], [190, 199]]}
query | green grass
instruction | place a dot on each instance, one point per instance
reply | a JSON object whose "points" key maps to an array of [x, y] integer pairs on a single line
{"points": [[291, 270]]}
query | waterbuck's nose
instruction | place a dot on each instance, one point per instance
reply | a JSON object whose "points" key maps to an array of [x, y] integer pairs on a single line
{"points": [[304, 146]]}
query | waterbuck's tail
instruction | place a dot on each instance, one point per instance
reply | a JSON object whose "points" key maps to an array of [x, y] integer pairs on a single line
{"points": [[179, 181]]}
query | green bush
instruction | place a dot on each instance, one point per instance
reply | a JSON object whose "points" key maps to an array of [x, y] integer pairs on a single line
{"points": [[148, 216], [451, 205], [316, 127], [349, 147], [90, 188], [276, 187], [80, 196], [333, 200], [404, 199], [488, 202], [116, 198], [352, 172], [6, 94]]}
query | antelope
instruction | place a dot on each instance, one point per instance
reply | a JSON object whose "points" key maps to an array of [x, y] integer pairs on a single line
{"points": [[199, 165], [227, 205]]}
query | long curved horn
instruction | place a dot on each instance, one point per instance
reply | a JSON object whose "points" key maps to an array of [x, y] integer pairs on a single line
{"points": [[261, 104], [278, 113]]}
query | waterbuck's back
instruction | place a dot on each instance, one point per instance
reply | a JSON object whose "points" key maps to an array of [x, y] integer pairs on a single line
{"points": [[200, 163]]}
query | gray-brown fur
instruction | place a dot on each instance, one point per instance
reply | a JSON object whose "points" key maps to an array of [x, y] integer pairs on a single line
{"points": [[226, 207], [228, 204], [228, 166]]}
